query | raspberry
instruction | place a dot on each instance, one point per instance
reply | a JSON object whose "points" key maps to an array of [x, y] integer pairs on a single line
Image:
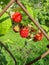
{"points": [[24, 32], [38, 36], [16, 28], [17, 17]]}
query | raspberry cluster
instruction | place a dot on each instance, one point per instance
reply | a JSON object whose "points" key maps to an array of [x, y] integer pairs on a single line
{"points": [[24, 32]]}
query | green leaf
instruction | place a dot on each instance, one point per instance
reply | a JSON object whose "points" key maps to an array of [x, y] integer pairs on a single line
{"points": [[48, 33], [29, 9], [5, 24], [45, 27]]}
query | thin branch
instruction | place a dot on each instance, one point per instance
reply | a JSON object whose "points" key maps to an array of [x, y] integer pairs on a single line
{"points": [[38, 58], [34, 21], [9, 52], [8, 5]]}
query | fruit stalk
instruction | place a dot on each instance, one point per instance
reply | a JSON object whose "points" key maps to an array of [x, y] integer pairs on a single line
{"points": [[34, 21]]}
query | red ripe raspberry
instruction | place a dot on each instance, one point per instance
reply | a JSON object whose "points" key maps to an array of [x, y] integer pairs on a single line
{"points": [[17, 17], [38, 36], [24, 32]]}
